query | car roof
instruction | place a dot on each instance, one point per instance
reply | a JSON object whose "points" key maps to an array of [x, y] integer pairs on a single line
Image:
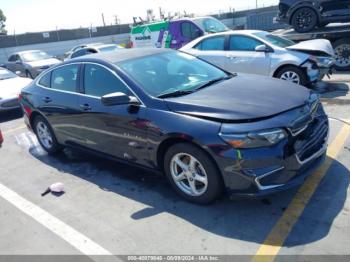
{"points": [[121, 55], [27, 51]]}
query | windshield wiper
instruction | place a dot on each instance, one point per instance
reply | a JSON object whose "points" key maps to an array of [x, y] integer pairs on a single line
{"points": [[176, 93], [213, 81]]}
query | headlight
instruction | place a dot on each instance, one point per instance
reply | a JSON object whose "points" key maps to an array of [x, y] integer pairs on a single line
{"points": [[325, 61], [264, 138]]}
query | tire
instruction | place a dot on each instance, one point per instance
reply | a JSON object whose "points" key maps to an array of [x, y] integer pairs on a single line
{"points": [[342, 54], [207, 181], [29, 75], [287, 73], [41, 126], [304, 20]]}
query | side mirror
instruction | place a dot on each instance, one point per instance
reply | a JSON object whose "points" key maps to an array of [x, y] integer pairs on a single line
{"points": [[118, 98], [262, 48]]}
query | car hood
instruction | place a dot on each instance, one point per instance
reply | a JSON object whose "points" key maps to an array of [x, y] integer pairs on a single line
{"points": [[10, 88], [316, 47], [242, 98], [45, 62]]}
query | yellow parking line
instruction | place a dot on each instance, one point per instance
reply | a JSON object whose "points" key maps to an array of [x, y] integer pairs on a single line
{"points": [[14, 129], [275, 240]]}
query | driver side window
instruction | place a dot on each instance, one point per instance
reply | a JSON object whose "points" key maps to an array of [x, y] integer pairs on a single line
{"points": [[98, 81], [243, 43]]}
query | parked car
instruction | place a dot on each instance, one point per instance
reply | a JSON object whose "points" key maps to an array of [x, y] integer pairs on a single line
{"points": [[304, 16], [10, 87], [93, 50], [1, 139], [77, 47], [162, 109], [259, 52], [30, 63], [174, 33]]}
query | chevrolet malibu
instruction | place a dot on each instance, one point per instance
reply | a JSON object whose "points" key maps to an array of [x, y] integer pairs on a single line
{"points": [[206, 129]]}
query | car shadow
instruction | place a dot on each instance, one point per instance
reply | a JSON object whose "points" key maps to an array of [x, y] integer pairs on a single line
{"points": [[244, 219], [10, 115]]}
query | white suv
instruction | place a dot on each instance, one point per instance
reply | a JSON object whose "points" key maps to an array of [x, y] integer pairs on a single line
{"points": [[262, 53]]}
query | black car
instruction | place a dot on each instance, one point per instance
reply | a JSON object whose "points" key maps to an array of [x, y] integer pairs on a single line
{"points": [[206, 129], [304, 16]]}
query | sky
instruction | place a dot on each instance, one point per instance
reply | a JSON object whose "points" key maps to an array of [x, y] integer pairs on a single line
{"points": [[44, 15]]}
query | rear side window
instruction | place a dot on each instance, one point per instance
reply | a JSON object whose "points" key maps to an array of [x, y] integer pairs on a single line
{"points": [[213, 43], [13, 58], [45, 80], [190, 31], [243, 43], [65, 78], [78, 53], [98, 81]]}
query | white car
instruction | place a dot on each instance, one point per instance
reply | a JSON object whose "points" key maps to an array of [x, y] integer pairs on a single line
{"points": [[10, 87], [262, 53]]}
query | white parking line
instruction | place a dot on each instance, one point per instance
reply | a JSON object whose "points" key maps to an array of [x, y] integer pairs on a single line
{"points": [[64, 231]]}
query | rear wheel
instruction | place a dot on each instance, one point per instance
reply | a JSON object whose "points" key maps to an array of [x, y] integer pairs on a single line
{"points": [[304, 20], [192, 174], [342, 54], [293, 74], [46, 136]]}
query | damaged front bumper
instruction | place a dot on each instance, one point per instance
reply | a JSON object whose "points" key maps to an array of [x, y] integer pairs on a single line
{"points": [[261, 171]]}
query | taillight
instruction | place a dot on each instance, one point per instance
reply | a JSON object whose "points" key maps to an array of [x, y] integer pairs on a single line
{"points": [[20, 96]]}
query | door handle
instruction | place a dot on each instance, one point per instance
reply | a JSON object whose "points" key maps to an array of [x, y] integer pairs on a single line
{"points": [[47, 99], [85, 107]]}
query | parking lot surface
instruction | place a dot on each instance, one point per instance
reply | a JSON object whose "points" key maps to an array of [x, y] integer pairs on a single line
{"points": [[110, 208]]}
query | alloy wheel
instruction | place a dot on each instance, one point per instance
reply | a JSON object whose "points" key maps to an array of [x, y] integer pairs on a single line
{"points": [[189, 174], [342, 55], [44, 135], [304, 19]]}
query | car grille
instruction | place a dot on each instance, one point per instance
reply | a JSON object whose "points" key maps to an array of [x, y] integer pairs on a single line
{"points": [[312, 139], [12, 103]]}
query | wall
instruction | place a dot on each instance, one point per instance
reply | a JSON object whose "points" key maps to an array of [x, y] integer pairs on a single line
{"points": [[59, 48]]}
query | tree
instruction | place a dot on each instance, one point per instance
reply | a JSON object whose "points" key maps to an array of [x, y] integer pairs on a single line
{"points": [[2, 23]]}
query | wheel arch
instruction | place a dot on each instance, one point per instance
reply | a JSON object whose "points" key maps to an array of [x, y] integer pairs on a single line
{"points": [[170, 141]]}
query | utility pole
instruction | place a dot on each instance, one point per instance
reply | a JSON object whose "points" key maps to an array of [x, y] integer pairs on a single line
{"points": [[103, 20], [256, 4]]}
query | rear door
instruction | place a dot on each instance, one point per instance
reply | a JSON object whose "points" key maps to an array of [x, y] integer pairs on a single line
{"points": [[242, 57], [212, 49], [119, 130], [14, 64], [58, 100], [335, 8]]}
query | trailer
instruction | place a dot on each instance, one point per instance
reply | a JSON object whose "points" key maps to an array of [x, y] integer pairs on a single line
{"points": [[337, 34]]}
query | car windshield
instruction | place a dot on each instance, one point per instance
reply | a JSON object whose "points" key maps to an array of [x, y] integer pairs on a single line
{"points": [[210, 25], [5, 74], [34, 56], [275, 40], [109, 48], [171, 72]]}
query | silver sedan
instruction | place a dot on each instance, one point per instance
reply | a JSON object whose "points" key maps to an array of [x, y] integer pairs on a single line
{"points": [[10, 87], [30, 63]]}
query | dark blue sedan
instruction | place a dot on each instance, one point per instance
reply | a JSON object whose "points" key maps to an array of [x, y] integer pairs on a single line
{"points": [[206, 129]]}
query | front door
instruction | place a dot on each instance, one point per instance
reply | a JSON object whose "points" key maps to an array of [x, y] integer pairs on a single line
{"points": [[114, 130], [242, 57]]}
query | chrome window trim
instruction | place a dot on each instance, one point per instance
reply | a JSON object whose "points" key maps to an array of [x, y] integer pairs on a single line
{"points": [[80, 94]]}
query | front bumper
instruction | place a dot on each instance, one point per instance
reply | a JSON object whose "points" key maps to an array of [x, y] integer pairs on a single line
{"points": [[262, 171]]}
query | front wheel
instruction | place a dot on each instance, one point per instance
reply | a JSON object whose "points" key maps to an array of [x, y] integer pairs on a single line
{"points": [[192, 174], [293, 74], [45, 135], [342, 54]]}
